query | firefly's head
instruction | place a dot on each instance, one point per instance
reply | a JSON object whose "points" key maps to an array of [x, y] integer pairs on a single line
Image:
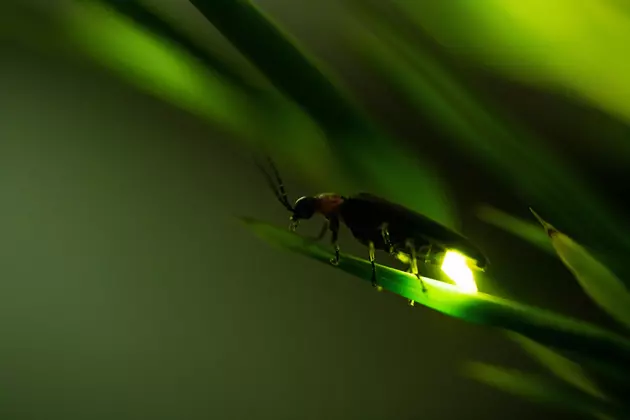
{"points": [[304, 208]]}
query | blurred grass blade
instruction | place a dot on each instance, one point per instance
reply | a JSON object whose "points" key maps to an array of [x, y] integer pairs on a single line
{"points": [[560, 45], [276, 55], [526, 230], [369, 156], [543, 326], [559, 365], [543, 390], [600, 283], [155, 65], [140, 14], [307, 153], [608, 371]]}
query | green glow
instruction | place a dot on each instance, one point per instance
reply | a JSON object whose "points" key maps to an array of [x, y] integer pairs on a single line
{"points": [[403, 258], [456, 267]]}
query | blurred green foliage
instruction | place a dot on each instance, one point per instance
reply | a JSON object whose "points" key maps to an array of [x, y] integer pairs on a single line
{"points": [[562, 45], [481, 129], [559, 365], [544, 390], [289, 104]]}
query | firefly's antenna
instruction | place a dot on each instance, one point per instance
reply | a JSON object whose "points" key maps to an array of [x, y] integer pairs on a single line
{"points": [[278, 186]]}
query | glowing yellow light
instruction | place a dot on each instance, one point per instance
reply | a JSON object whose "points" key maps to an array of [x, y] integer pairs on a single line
{"points": [[455, 266], [403, 258]]}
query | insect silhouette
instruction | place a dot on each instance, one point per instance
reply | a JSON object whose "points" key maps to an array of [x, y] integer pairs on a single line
{"points": [[378, 224]]}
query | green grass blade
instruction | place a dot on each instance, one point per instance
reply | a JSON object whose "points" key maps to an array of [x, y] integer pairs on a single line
{"points": [[546, 327], [559, 365], [607, 371], [600, 283], [154, 65], [140, 14], [528, 231], [543, 390], [277, 56]]}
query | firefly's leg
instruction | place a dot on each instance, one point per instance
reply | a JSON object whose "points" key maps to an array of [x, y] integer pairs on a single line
{"points": [[385, 235], [414, 266], [372, 252], [334, 228], [427, 255], [322, 232]]}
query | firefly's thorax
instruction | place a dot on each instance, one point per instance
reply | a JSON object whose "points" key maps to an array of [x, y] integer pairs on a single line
{"points": [[325, 204]]}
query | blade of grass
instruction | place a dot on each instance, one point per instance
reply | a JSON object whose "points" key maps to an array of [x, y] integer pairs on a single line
{"points": [[154, 65], [140, 14], [526, 230], [559, 365], [529, 231], [546, 327], [370, 157], [607, 370], [543, 390], [277, 56], [600, 283]]}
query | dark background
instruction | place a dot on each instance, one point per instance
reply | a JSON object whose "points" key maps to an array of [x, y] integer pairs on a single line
{"points": [[130, 290]]}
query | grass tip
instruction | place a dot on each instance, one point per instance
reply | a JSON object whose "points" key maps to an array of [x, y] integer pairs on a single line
{"points": [[546, 225]]}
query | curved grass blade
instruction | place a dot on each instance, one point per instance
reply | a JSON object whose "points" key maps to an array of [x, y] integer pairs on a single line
{"points": [[600, 283], [559, 365], [546, 327], [155, 65], [139, 13], [543, 390], [525, 230], [618, 376]]}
